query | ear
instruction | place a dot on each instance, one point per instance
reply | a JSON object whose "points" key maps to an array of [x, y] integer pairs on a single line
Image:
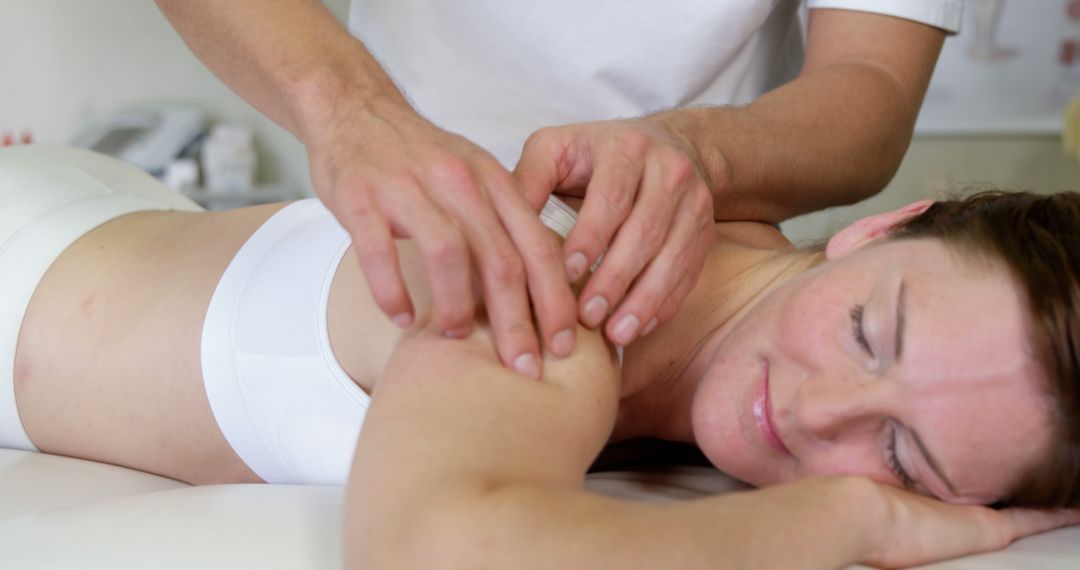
{"points": [[871, 229]]}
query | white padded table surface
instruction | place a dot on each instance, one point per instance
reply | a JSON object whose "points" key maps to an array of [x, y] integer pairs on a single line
{"points": [[57, 512]]}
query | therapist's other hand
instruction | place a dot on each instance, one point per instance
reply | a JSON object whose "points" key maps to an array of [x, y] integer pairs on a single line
{"points": [[385, 172], [645, 202]]}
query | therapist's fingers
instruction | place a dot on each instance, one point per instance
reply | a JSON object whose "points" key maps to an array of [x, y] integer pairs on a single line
{"points": [[543, 165], [377, 255], [549, 290], [680, 259], [444, 253], [638, 240], [608, 203], [502, 275]]}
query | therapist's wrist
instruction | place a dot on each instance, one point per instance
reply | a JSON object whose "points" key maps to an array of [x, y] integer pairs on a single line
{"points": [[326, 96], [690, 127]]}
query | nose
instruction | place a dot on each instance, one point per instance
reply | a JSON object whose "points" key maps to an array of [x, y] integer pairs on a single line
{"points": [[830, 409]]}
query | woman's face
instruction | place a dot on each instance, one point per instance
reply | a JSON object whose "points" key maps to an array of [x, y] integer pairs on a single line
{"points": [[899, 361]]}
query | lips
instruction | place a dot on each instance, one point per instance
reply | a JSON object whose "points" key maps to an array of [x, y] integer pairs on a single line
{"points": [[762, 408]]}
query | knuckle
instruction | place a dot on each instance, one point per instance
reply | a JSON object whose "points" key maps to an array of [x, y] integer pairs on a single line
{"points": [[371, 251], [650, 299], [446, 249], [617, 200], [520, 329], [505, 268], [591, 239], [544, 252], [614, 282], [683, 258], [389, 299], [650, 231], [453, 172], [679, 168], [634, 142], [702, 201], [399, 180], [540, 136], [667, 310], [355, 211], [453, 315]]}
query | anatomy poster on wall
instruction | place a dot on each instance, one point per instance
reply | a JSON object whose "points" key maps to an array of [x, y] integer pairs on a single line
{"points": [[1012, 69]]}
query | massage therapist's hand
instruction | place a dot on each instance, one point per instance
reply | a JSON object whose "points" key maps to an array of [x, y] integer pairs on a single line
{"points": [[386, 172], [645, 203], [919, 530]]}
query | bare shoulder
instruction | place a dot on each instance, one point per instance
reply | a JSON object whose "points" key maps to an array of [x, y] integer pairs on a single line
{"points": [[755, 235], [467, 408]]}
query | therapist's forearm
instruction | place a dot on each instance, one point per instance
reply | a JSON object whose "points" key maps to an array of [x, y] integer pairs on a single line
{"points": [[831, 137], [290, 59]]}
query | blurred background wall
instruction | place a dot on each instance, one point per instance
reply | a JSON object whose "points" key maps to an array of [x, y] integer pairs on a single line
{"points": [[65, 62]]}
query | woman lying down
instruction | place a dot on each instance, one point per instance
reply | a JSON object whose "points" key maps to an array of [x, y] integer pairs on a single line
{"points": [[880, 392]]}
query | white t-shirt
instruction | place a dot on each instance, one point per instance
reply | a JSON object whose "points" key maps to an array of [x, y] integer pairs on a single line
{"points": [[494, 71]]}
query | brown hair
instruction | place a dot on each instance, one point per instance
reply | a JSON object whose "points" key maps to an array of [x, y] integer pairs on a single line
{"points": [[1037, 238]]}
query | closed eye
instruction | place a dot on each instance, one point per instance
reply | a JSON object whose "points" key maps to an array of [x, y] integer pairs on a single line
{"points": [[857, 329]]}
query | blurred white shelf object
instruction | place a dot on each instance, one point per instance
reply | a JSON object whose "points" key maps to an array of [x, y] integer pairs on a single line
{"points": [[226, 199]]}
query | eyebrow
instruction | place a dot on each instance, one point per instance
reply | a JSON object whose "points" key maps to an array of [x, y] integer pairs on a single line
{"points": [[899, 322], [932, 462]]}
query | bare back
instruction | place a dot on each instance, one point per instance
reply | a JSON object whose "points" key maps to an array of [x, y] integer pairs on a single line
{"points": [[108, 366]]}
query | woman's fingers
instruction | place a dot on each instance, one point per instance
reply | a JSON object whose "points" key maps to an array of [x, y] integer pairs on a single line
{"points": [[921, 529], [1026, 522]]}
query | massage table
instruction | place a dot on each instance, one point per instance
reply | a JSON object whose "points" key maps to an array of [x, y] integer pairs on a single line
{"points": [[57, 512]]}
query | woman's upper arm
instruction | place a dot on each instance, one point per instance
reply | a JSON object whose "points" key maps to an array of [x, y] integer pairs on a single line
{"points": [[448, 423], [447, 408]]}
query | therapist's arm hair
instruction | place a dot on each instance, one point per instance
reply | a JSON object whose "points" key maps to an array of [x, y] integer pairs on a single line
{"points": [[290, 59], [834, 135], [464, 465]]}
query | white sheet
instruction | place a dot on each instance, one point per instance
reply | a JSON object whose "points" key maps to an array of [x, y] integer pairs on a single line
{"points": [[65, 513]]}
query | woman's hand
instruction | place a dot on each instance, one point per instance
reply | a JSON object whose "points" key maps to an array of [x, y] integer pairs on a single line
{"points": [[919, 530], [646, 204], [386, 172]]}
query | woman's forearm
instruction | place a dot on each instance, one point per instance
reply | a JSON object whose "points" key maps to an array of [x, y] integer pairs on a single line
{"points": [[463, 464], [822, 523], [291, 59]]}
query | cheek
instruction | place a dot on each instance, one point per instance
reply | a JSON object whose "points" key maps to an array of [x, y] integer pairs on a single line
{"points": [[806, 324], [715, 421], [845, 460]]}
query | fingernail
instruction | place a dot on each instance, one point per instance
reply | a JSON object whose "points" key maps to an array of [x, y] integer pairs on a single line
{"points": [[562, 343], [526, 365], [625, 329], [402, 320], [576, 265], [649, 327], [595, 311], [460, 332]]}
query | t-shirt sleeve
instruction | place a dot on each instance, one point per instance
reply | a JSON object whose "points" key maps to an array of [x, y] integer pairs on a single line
{"points": [[944, 14]]}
